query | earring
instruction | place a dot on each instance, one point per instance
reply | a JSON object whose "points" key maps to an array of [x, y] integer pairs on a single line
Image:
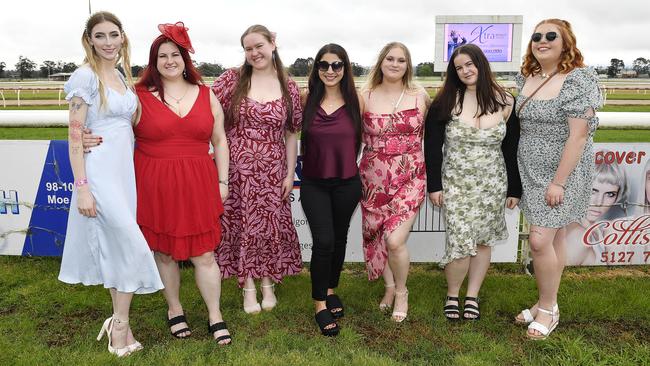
{"points": [[184, 74]]}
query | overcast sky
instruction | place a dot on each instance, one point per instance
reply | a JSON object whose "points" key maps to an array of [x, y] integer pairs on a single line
{"points": [[50, 30]]}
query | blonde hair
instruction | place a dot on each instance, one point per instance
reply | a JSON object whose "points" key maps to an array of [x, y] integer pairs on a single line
{"points": [[614, 174], [376, 76], [570, 58], [92, 59]]}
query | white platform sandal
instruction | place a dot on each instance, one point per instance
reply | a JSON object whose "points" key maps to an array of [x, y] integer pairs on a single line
{"points": [[544, 330], [268, 305], [400, 316], [252, 309], [528, 315]]}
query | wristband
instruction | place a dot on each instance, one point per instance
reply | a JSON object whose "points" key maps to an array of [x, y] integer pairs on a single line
{"points": [[559, 185], [81, 182], [224, 182]]}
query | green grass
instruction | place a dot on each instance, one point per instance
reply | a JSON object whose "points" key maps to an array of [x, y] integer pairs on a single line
{"points": [[43, 321], [32, 95], [54, 107], [625, 108], [614, 135], [628, 96], [33, 133]]}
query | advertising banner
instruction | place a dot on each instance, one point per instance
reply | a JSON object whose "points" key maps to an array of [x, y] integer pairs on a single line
{"points": [[495, 39], [616, 229], [37, 186]]}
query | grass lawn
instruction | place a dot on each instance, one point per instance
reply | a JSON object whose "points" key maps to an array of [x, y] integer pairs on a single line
{"points": [[604, 322]]}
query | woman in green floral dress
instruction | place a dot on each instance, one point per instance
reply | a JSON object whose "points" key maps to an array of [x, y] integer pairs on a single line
{"points": [[475, 177]]}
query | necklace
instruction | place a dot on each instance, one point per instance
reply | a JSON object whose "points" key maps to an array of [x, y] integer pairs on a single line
{"points": [[178, 100], [395, 104], [545, 75]]}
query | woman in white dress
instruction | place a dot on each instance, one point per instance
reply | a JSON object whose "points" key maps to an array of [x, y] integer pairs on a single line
{"points": [[104, 244]]}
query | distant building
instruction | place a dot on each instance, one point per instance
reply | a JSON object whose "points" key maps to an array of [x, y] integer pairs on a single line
{"points": [[60, 76], [629, 74]]}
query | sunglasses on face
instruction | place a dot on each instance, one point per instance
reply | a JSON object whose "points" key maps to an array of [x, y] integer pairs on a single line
{"points": [[324, 66], [550, 36]]}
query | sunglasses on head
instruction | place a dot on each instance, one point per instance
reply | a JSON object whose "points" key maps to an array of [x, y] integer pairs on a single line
{"points": [[324, 65], [550, 36]]}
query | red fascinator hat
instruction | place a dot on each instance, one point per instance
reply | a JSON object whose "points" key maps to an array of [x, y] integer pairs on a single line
{"points": [[178, 33]]}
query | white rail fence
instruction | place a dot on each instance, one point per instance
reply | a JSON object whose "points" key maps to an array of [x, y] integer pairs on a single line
{"points": [[59, 118]]}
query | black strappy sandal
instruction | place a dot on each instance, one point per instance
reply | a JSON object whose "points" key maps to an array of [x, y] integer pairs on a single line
{"points": [[325, 318], [334, 302], [471, 309], [177, 320], [452, 309], [217, 327]]}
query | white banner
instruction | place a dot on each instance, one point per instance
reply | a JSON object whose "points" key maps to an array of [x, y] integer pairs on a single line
{"points": [[36, 185]]}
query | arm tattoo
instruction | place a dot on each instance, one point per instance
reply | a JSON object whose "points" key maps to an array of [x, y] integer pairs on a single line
{"points": [[75, 131], [76, 106]]}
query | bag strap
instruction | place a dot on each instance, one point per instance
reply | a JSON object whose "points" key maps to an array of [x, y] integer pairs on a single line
{"points": [[535, 91]]}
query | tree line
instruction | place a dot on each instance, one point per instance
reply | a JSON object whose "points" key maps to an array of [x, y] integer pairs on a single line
{"points": [[26, 68]]}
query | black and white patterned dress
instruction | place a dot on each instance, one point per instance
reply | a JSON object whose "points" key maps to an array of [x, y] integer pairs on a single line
{"points": [[544, 132]]}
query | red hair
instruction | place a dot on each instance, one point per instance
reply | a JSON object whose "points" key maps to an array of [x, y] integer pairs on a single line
{"points": [[150, 77], [570, 58]]}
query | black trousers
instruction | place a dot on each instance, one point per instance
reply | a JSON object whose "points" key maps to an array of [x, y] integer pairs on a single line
{"points": [[328, 205]]}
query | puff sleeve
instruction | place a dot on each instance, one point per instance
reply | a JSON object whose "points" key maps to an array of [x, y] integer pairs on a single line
{"points": [[224, 87], [581, 97], [296, 116], [83, 83]]}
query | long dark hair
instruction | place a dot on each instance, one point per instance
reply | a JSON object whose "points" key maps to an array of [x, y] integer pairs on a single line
{"points": [[491, 97], [150, 79], [246, 71], [317, 93]]}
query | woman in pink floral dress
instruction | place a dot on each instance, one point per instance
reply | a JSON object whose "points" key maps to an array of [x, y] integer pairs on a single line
{"points": [[392, 171], [263, 114]]}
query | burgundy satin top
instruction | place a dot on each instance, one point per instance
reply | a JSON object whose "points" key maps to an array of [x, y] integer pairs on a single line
{"points": [[330, 146]]}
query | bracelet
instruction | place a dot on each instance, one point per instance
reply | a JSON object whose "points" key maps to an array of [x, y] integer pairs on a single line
{"points": [[81, 182], [224, 182], [559, 185]]}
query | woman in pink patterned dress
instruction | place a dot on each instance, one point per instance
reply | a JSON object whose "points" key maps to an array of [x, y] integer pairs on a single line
{"points": [[263, 114], [392, 171]]}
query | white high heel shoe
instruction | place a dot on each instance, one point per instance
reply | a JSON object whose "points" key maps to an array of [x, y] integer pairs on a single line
{"points": [[107, 328], [400, 316], [251, 309], [268, 305]]}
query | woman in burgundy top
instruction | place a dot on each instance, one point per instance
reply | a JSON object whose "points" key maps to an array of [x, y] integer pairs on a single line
{"points": [[331, 188]]}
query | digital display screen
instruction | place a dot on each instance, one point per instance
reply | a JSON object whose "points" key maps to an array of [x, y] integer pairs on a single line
{"points": [[495, 39]]}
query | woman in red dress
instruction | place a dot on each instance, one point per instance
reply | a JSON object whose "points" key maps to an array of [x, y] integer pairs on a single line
{"points": [[179, 191], [392, 171], [263, 114]]}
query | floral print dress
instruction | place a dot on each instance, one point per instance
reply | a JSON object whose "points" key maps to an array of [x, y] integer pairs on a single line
{"points": [[259, 238], [393, 178], [474, 183], [544, 132]]}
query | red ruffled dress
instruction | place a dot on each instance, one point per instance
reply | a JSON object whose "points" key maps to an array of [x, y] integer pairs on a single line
{"points": [[179, 204]]}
